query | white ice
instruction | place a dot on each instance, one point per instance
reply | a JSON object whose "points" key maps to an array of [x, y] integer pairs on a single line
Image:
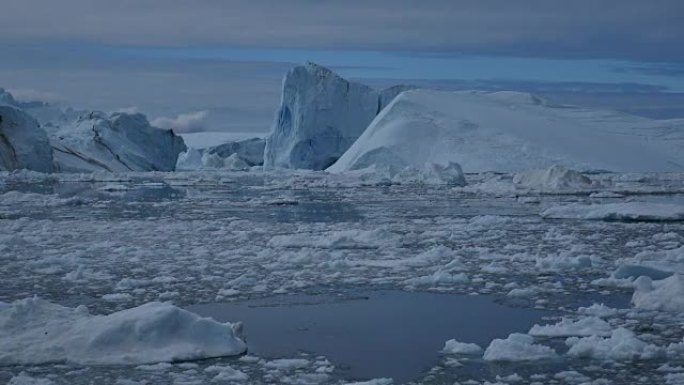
{"points": [[507, 131], [34, 331]]}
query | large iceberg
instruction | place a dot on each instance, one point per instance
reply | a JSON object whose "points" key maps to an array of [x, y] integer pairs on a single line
{"points": [[115, 142], [510, 132], [320, 116], [23, 143]]}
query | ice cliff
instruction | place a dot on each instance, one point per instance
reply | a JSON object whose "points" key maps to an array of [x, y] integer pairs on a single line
{"points": [[320, 116]]}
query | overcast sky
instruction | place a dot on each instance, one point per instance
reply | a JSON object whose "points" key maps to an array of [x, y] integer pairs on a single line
{"points": [[168, 57]]}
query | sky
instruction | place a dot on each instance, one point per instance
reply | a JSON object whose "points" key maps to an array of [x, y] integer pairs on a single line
{"points": [[218, 64]]}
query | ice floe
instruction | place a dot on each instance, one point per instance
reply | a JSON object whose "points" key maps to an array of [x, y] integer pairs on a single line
{"points": [[35, 331]]}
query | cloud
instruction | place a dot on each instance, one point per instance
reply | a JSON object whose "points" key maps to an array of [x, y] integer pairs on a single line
{"points": [[190, 122], [580, 28]]}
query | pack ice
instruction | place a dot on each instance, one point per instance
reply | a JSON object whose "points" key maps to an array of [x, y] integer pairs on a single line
{"points": [[115, 142], [511, 132], [35, 331], [320, 116], [23, 144]]}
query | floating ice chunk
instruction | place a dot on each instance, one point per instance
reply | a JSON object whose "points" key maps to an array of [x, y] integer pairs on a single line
{"points": [[622, 345], [441, 277], [554, 178], [34, 331], [455, 347], [674, 378], [598, 310], [338, 239], [24, 379], [589, 326], [630, 271], [573, 377], [377, 381], [665, 294], [525, 292], [628, 211], [288, 363], [433, 173], [226, 373], [517, 347], [563, 261]]}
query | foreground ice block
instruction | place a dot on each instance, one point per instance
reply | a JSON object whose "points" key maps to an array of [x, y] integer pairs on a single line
{"points": [[35, 331], [510, 132]]}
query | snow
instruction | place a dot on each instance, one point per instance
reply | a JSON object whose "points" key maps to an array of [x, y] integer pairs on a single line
{"points": [[622, 345], [665, 294], [507, 132], [153, 332], [553, 178], [23, 144], [626, 211], [517, 347], [455, 347], [319, 118], [118, 142], [588, 326]]}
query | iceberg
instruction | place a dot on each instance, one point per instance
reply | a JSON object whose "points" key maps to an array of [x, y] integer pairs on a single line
{"points": [[23, 143], [320, 116], [511, 132], [251, 151], [35, 331], [117, 142], [236, 155]]}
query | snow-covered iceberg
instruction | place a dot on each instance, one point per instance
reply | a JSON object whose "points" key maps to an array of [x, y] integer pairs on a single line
{"points": [[249, 150], [23, 143], [35, 331], [236, 155], [510, 132], [115, 142], [320, 116]]}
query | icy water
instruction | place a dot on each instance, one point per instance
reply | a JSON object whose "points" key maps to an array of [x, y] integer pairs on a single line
{"points": [[387, 266], [391, 334]]}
